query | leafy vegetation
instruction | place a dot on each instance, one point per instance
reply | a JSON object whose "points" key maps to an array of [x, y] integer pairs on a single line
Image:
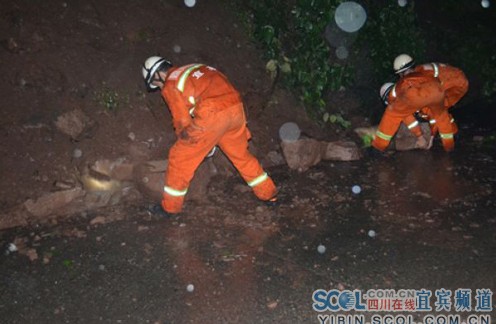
{"points": [[110, 99], [291, 33]]}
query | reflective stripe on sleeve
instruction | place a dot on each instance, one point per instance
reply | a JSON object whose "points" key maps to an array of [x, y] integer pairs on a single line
{"points": [[383, 136], [412, 125], [446, 135], [258, 180], [184, 76], [432, 121], [393, 92], [436, 69], [174, 192]]}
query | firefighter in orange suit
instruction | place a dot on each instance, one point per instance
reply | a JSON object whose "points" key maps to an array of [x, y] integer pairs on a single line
{"points": [[411, 93], [453, 82], [207, 111]]}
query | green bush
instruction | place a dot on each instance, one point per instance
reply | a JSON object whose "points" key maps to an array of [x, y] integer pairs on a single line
{"points": [[291, 33]]}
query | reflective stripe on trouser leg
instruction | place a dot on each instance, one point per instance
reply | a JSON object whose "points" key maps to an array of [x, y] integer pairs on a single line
{"points": [[263, 187], [173, 199], [234, 144], [186, 155]]}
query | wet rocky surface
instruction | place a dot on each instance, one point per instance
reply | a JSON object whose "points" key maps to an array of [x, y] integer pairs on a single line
{"points": [[422, 219]]}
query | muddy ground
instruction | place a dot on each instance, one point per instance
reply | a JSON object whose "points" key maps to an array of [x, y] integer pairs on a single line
{"points": [[434, 228], [432, 212]]}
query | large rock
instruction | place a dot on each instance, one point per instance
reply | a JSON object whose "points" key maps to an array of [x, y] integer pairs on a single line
{"points": [[341, 151], [149, 178], [304, 153], [53, 203], [405, 140]]}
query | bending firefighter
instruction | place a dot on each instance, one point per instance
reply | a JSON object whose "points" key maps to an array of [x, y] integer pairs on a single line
{"points": [[206, 111], [411, 93], [453, 82]]}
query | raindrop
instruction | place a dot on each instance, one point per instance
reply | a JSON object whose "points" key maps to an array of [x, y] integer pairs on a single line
{"points": [[372, 233], [356, 189], [485, 3], [190, 3], [77, 153], [289, 132], [176, 49], [350, 16], [402, 3], [321, 249], [190, 288], [341, 52]]}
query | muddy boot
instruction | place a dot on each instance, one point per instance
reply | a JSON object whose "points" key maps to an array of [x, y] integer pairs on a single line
{"points": [[157, 210], [272, 202]]}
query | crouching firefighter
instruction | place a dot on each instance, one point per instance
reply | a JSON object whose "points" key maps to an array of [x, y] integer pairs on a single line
{"points": [[409, 95], [207, 111]]}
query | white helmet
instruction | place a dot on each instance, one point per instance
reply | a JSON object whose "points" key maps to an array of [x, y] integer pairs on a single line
{"points": [[384, 92], [402, 63], [152, 65]]}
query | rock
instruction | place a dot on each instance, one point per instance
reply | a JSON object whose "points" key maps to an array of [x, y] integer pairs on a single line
{"points": [[341, 151], [76, 124], [15, 217], [53, 203], [305, 153], [139, 151], [118, 169], [302, 154], [405, 140], [149, 179]]}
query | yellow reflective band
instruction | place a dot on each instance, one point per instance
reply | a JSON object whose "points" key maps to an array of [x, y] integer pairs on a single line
{"points": [[258, 180], [174, 192], [432, 121], [192, 100], [393, 92], [446, 136], [436, 69], [412, 125], [185, 75], [192, 112], [383, 136]]}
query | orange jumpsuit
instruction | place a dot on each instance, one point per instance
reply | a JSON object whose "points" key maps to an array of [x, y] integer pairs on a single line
{"points": [[207, 111], [411, 93], [454, 83]]}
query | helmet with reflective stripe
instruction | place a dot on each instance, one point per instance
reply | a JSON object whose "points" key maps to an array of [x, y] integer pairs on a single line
{"points": [[384, 92], [402, 63], [152, 65]]}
